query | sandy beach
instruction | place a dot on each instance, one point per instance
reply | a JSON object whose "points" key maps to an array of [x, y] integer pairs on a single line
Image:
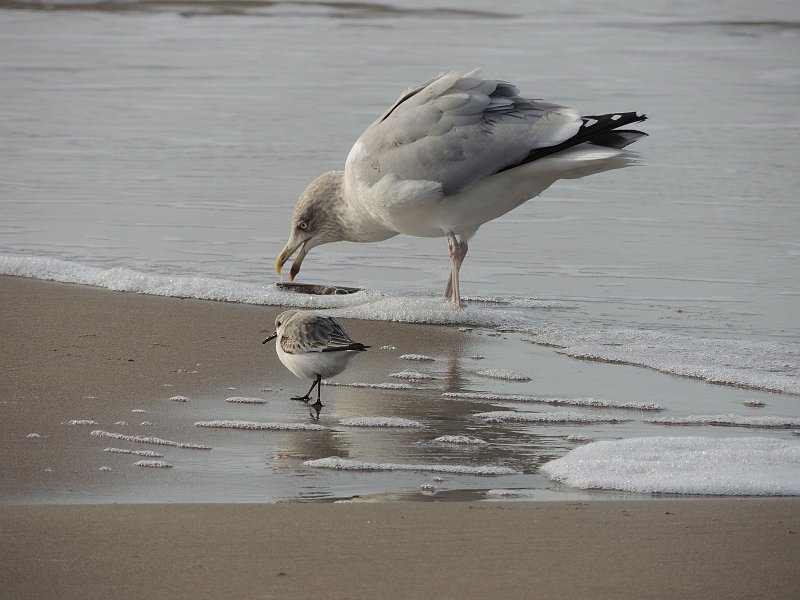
{"points": [[663, 549], [73, 350]]}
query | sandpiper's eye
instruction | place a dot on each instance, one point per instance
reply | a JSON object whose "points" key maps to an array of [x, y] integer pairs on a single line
{"points": [[302, 225]]}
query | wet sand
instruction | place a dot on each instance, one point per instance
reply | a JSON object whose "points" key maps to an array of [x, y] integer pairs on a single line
{"points": [[71, 350]]}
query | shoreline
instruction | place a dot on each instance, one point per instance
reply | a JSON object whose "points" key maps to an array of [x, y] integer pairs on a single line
{"points": [[73, 351]]}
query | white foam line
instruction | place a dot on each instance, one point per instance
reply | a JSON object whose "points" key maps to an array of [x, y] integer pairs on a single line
{"points": [[334, 462], [499, 416], [767, 422], [142, 439], [253, 425], [459, 439], [153, 464], [365, 304], [417, 357], [503, 374], [245, 400], [376, 386], [148, 453], [411, 375], [82, 422], [380, 422], [582, 402], [501, 492]]}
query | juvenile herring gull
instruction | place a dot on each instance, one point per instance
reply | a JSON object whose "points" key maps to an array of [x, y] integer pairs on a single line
{"points": [[312, 347], [448, 156]]}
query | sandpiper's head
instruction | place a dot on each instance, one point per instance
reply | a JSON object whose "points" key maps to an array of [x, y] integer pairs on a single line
{"points": [[280, 322], [283, 318], [316, 220]]}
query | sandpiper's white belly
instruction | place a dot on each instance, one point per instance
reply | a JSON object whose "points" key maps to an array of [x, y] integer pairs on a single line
{"points": [[307, 365]]}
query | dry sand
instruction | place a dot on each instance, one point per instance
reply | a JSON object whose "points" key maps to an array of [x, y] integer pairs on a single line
{"points": [[66, 346]]}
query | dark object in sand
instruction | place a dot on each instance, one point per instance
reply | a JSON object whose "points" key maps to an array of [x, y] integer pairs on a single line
{"points": [[316, 289]]}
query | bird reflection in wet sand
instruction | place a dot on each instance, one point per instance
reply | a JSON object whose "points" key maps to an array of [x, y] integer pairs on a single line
{"points": [[313, 346]]}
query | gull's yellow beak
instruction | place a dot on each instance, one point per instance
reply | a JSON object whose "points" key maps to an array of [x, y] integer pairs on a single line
{"points": [[286, 254]]}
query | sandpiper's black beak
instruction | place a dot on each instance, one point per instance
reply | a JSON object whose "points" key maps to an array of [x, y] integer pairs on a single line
{"points": [[271, 337]]}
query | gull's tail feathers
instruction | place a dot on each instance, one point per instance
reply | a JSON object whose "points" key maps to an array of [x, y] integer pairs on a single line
{"points": [[598, 131]]}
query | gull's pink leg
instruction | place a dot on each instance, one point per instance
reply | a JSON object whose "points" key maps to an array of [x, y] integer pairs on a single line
{"points": [[458, 250]]}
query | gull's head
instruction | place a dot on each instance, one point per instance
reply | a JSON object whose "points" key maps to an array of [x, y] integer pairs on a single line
{"points": [[316, 220]]}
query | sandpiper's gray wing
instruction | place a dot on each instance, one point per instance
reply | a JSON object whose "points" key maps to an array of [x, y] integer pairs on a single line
{"points": [[455, 130], [316, 333]]}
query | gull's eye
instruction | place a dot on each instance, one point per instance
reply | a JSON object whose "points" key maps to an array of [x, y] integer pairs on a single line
{"points": [[302, 225]]}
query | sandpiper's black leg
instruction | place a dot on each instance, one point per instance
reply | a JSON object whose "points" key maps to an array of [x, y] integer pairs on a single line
{"points": [[319, 388], [307, 397]]}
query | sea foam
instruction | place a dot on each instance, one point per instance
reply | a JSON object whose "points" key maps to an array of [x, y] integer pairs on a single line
{"points": [[499, 416], [254, 425], [82, 422], [581, 402], [767, 422], [245, 400], [417, 357], [367, 305], [459, 439], [147, 453], [411, 375], [683, 465], [380, 422], [504, 374], [374, 386], [143, 439], [334, 462], [153, 464], [770, 366]]}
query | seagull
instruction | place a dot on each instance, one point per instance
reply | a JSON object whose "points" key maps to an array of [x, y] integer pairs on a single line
{"points": [[312, 347], [448, 156]]}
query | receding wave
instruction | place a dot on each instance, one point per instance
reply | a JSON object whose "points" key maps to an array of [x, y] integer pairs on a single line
{"points": [[367, 305], [752, 364]]}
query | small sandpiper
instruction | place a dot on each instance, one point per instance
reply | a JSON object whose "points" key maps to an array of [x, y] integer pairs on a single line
{"points": [[313, 346]]}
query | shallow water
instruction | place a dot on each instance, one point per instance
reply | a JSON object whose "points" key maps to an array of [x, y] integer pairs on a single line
{"points": [[159, 147]]}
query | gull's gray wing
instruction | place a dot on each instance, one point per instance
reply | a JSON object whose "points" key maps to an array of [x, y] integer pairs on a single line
{"points": [[315, 333], [455, 130]]}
